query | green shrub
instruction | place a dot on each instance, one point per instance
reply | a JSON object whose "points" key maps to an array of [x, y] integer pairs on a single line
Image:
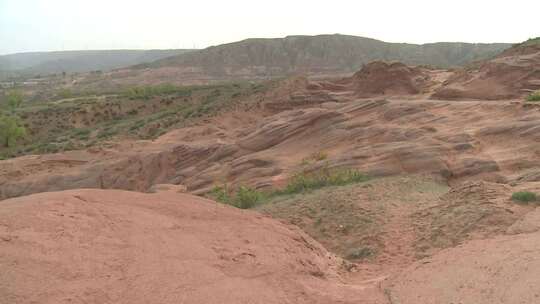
{"points": [[534, 96], [247, 197], [11, 130], [524, 197], [220, 194]]}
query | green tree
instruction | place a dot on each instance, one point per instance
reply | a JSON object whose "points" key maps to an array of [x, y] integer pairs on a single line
{"points": [[14, 99], [11, 130]]}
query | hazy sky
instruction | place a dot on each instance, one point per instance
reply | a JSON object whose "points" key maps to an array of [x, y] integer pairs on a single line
{"points": [[45, 25]]}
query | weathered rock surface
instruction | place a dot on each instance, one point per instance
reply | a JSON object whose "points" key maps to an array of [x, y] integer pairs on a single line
{"points": [[455, 140]]}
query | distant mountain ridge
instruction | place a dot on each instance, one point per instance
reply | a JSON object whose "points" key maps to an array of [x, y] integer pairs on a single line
{"points": [[79, 61], [320, 54]]}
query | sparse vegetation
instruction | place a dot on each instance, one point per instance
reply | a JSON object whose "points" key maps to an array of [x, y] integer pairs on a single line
{"points": [[245, 197], [92, 116], [148, 92], [531, 41], [314, 157], [524, 197], [360, 253], [352, 220], [535, 96]]}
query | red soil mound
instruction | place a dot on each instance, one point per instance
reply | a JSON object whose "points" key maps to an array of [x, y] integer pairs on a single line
{"points": [[109, 246], [381, 78]]}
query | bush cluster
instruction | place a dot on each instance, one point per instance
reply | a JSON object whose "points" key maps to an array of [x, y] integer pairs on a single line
{"points": [[246, 197], [305, 181]]}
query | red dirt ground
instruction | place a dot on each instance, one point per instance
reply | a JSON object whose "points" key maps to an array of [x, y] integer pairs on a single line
{"points": [[110, 246]]}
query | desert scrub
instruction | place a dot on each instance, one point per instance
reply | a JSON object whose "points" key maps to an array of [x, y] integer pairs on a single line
{"points": [[244, 197], [524, 197], [535, 96]]}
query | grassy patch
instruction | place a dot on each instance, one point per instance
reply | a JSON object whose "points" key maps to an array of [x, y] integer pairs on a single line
{"points": [[524, 197], [147, 92], [305, 181]]}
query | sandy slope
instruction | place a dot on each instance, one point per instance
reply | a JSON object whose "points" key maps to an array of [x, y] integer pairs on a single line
{"points": [[95, 246]]}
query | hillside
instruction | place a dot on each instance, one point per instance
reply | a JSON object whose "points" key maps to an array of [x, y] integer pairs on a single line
{"points": [[79, 61], [320, 54], [513, 73], [368, 188], [121, 247]]}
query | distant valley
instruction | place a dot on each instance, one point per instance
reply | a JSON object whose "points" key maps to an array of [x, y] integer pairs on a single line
{"points": [[31, 64]]}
